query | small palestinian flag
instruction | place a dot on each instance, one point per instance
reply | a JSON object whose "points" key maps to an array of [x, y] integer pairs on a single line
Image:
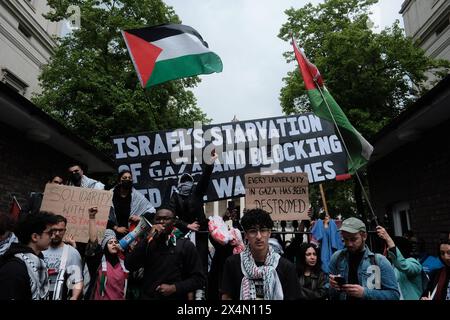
{"points": [[168, 52]]}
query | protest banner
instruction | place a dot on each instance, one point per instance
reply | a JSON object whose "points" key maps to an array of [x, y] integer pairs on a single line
{"points": [[73, 203], [288, 144], [284, 195]]}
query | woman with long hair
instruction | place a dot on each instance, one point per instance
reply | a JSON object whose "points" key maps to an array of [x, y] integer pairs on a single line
{"points": [[312, 279]]}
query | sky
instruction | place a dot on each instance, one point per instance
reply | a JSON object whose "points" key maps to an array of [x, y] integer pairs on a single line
{"points": [[244, 34]]}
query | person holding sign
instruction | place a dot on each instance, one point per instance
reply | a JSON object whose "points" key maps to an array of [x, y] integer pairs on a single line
{"points": [[109, 277], [187, 203], [259, 273], [78, 179], [129, 204]]}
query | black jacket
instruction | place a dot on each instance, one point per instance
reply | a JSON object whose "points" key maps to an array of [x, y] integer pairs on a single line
{"points": [[433, 282], [14, 278], [190, 208], [179, 265], [316, 289]]}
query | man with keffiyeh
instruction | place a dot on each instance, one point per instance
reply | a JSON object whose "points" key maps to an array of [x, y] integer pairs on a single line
{"points": [[77, 178], [259, 273], [23, 272]]}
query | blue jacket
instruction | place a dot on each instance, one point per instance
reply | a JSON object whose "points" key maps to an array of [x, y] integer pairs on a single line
{"points": [[385, 289]]}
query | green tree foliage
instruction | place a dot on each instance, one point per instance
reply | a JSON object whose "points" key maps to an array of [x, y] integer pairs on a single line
{"points": [[90, 84], [373, 76]]}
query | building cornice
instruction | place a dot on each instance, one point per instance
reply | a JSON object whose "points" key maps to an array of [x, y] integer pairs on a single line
{"points": [[24, 17], [20, 46], [434, 54], [428, 28], [404, 6]]}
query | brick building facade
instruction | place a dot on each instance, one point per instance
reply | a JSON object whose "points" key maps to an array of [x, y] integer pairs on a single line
{"points": [[33, 146], [409, 173]]}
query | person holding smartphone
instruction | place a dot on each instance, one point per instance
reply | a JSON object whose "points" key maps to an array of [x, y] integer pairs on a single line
{"points": [[366, 275]]}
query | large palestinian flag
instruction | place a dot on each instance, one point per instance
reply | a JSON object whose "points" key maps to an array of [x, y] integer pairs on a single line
{"points": [[324, 106], [169, 51]]}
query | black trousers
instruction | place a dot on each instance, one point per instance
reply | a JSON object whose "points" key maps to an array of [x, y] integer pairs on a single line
{"points": [[201, 243]]}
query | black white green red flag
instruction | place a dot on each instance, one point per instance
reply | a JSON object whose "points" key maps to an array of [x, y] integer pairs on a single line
{"points": [[168, 52], [325, 107]]}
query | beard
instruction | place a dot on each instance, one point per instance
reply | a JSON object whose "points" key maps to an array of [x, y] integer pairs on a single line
{"points": [[55, 242]]}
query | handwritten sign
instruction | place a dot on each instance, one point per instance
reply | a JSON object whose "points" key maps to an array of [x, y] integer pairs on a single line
{"points": [[73, 203], [284, 195]]}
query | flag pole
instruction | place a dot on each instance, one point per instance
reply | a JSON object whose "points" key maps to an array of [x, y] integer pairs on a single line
{"points": [[324, 201], [374, 217]]}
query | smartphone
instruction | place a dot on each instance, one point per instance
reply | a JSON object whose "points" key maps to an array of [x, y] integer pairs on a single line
{"points": [[340, 280]]}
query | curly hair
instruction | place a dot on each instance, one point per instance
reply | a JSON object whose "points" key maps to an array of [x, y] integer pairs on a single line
{"points": [[301, 263], [256, 217]]}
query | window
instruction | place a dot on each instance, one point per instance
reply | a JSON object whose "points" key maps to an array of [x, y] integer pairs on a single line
{"points": [[12, 81], [442, 25], [25, 31], [401, 218]]}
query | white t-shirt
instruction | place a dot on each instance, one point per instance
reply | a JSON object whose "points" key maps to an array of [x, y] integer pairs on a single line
{"points": [[74, 267]]}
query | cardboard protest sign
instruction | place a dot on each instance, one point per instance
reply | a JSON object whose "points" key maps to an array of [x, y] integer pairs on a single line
{"points": [[284, 195], [73, 203]]}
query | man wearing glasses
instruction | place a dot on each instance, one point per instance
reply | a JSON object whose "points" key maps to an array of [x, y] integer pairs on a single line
{"points": [[172, 267], [64, 265], [259, 273], [23, 272]]}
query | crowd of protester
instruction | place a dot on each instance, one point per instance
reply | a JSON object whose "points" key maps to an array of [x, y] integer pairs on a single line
{"points": [[172, 259]]}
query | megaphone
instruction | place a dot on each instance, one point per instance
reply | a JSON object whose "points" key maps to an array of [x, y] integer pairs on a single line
{"points": [[140, 229]]}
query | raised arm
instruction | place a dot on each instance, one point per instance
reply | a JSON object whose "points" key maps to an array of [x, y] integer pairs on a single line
{"points": [[206, 176], [93, 238]]}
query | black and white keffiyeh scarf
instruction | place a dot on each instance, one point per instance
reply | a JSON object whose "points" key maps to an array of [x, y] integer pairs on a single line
{"points": [[37, 270], [6, 243], [266, 272]]}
